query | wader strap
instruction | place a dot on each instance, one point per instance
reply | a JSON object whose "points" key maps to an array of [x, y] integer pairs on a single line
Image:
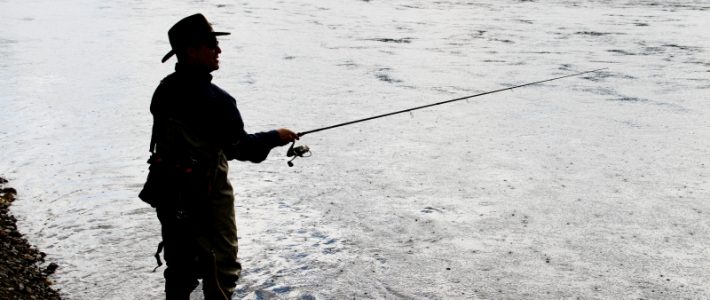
{"points": [[217, 286], [157, 255]]}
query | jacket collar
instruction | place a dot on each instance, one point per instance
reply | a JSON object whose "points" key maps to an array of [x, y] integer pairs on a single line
{"points": [[194, 72]]}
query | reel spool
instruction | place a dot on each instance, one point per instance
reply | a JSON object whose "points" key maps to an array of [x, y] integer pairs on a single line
{"points": [[296, 152]]}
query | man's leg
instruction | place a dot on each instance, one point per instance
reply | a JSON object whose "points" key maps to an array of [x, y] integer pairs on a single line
{"points": [[222, 235], [180, 253]]}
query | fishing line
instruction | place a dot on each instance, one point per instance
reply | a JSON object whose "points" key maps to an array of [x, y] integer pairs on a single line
{"points": [[301, 151]]}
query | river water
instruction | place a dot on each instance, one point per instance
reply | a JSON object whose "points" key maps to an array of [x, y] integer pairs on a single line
{"points": [[593, 187]]}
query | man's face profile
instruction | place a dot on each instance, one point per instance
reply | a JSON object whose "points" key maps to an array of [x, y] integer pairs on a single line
{"points": [[205, 55]]}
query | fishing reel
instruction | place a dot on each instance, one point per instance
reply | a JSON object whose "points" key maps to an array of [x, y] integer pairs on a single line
{"points": [[296, 152]]}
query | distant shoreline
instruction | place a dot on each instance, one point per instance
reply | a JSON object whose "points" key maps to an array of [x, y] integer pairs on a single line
{"points": [[21, 274]]}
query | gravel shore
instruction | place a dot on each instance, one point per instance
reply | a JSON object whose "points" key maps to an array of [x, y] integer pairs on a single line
{"points": [[23, 272]]}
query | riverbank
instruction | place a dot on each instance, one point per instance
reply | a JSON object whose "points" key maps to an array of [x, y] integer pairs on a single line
{"points": [[23, 274]]}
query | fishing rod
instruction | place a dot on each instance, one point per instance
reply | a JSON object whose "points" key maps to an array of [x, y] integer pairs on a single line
{"points": [[304, 151]]}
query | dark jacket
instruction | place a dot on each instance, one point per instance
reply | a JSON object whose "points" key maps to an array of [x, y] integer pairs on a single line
{"points": [[195, 119]]}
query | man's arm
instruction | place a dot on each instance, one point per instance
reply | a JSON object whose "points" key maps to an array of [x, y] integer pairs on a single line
{"points": [[255, 147]]}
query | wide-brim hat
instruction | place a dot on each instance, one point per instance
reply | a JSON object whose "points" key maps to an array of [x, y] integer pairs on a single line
{"points": [[190, 31]]}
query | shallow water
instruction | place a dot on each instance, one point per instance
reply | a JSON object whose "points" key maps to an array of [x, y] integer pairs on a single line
{"points": [[590, 187]]}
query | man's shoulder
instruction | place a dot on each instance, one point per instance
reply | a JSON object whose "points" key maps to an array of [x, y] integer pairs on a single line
{"points": [[175, 85], [172, 78], [219, 90]]}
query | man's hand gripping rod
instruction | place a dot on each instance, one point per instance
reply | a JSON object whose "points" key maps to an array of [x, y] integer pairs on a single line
{"points": [[303, 150]]}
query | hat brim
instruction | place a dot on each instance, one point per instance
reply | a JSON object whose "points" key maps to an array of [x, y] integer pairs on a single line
{"points": [[172, 52]]}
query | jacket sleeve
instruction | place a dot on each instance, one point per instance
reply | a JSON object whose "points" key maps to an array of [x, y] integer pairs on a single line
{"points": [[253, 147], [234, 140]]}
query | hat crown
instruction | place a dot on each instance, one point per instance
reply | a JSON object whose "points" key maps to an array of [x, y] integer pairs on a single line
{"points": [[191, 31]]}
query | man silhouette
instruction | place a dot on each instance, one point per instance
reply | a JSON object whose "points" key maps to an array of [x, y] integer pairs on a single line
{"points": [[197, 129]]}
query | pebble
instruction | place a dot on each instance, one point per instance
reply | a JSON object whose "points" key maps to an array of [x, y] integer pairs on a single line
{"points": [[51, 268]]}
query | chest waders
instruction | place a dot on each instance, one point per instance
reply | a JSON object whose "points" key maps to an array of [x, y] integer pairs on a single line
{"points": [[181, 187]]}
